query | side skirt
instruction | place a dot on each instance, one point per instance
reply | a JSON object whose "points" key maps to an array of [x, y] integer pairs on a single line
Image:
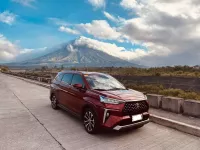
{"points": [[70, 111]]}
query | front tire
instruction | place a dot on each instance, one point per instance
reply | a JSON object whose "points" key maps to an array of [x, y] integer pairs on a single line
{"points": [[54, 102], [90, 121]]}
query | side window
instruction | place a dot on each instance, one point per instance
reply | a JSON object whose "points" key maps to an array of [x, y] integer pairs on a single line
{"points": [[77, 79], [59, 77], [67, 78]]}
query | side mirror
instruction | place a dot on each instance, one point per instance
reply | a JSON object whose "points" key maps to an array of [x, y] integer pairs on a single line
{"points": [[78, 86]]}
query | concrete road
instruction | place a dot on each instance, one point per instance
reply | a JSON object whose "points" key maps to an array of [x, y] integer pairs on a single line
{"points": [[27, 121]]}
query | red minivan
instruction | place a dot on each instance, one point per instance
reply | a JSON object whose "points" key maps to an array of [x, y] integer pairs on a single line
{"points": [[99, 100]]}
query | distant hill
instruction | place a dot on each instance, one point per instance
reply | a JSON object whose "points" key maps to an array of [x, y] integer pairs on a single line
{"points": [[72, 54]]}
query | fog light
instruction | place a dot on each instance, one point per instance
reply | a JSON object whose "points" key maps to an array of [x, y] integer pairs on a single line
{"points": [[107, 114]]}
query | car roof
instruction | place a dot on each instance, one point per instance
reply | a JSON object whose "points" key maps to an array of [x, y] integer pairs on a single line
{"points": [[81, 72]]}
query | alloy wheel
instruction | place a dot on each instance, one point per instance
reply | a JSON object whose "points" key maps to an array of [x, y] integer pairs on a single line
{"points": [[89, 121], [54, 102]]}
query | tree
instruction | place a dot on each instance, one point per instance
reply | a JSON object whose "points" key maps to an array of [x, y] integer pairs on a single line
{"points": [[55, 67], [62, 67], [44, 68]]}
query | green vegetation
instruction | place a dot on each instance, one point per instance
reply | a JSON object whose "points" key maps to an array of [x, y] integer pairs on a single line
{"points": [[4, 68], [159, 89], [178, 71]]}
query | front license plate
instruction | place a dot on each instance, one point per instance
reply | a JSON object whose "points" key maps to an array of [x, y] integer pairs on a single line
{"points": [[136, 117]]}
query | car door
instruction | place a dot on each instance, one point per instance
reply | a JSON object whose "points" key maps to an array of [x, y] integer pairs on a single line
{"points": [[64, 93], [77, 101], [55, 86]]}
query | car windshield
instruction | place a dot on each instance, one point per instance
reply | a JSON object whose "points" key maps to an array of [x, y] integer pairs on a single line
{"points": [[103, 82]]}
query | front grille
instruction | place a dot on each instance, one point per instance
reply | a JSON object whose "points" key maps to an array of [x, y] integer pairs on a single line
{"points": [[137, 107]]}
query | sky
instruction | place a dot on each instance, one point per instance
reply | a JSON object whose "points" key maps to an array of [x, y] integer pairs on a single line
{"points": [[148, 32]]}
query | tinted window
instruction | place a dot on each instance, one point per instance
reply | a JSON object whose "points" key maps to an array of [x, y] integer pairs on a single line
{"points": [[59, 77], [67, 78], [77, 79]]}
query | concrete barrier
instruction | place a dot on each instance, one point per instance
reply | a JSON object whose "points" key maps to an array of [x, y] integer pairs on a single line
{"points": [[154, 100], [191, 108], [187, 128], [172, 104]]}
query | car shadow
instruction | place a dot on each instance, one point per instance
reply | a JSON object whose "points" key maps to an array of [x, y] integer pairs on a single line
{"points": [[103, 132]]}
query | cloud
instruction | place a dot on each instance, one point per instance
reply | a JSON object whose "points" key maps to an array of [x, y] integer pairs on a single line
{"points": [[97, 3], [8, 50], [170, 30], [131, 4], [101, 29], [68, 30], [30, 53], [26, 51], [31, 50], [58, 21], [27, 3], [7, 17], [113, 18], [109, 48], [64, 26]]}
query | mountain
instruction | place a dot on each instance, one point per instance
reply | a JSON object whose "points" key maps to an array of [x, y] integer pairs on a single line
{"points": [[77, 53]]}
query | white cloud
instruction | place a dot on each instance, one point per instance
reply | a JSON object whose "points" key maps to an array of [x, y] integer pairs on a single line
{"points": [[110, 48], [97, 3], [59, 21], [27, 3], [26, 50], [7, 17], [101, 29], [113, 18], [8, 50], [64, 26], [68, 30], [30, 53], [169, 30], [30, 50], [131, 4]]}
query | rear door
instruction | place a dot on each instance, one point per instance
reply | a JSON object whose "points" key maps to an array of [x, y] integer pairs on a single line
{"points": [[55, 86], [65, 86]]}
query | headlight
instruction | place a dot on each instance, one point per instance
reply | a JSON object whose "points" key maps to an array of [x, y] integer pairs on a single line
{"points": [[107, 100]]}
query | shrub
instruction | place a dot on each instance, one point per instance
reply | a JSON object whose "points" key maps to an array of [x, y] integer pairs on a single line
{"points": [[159, 89]]}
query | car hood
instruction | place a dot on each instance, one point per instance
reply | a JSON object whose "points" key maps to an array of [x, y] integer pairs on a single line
{"points": [[127, 95]]}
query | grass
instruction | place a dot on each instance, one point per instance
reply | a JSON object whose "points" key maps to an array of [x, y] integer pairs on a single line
{"points": [[176, 71], [159, 89]]}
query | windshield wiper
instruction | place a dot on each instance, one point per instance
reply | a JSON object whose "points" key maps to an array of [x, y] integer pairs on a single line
{"points": [[116, 89], [100, 89]]}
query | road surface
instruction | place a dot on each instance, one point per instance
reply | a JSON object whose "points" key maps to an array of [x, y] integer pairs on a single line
{"points": [[27, 121]]}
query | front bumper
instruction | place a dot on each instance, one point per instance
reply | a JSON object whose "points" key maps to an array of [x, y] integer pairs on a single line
{"points": [[114, 119], [119, 127]]}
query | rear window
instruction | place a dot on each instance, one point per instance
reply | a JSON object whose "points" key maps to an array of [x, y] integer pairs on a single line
{"points": [[59, 77], [67, 78]]}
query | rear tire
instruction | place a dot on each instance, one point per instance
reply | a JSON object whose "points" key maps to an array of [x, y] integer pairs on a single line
{"points": [[90, 121], [54, 102]]}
